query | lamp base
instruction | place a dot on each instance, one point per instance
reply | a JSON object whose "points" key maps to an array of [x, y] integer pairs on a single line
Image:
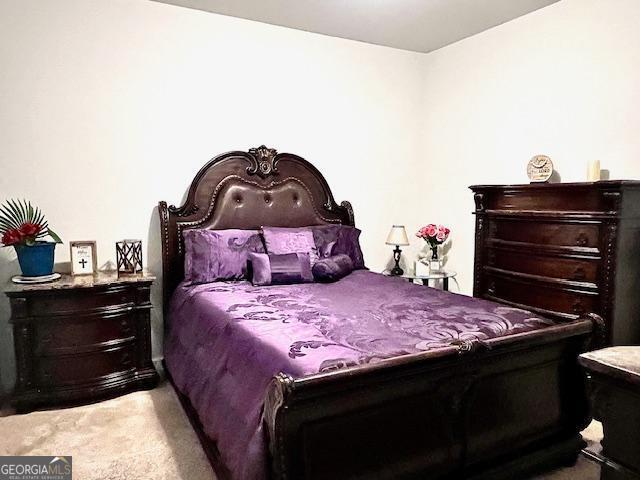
{"points": [[397, 271]]}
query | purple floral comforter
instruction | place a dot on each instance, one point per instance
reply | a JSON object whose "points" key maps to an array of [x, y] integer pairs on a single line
{"points": [[227, 339]]}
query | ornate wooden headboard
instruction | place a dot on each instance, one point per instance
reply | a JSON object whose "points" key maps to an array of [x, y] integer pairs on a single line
{"points": [[247, 190]]}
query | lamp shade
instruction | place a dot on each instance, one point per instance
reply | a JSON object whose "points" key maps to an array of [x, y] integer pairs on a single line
{"points": [[397, 236]]}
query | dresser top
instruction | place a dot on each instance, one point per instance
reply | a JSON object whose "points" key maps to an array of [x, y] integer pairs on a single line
{"points": [[533, 185], [622, 363], [68, 282]]}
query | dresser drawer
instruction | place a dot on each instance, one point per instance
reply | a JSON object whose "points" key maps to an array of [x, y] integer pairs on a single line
{"points": [[83, 333], [523, 261], [568, 303], [543, 198], [544, 234], [78, 301], [84, 368]]}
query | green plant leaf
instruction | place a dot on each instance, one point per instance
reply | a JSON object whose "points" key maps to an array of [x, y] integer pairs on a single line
{"points": [[18, 208], [8, 216], [5, 221], [44, 230], [6, 213], [23, 209], [16, 211], [39, 218], [54, 236]]}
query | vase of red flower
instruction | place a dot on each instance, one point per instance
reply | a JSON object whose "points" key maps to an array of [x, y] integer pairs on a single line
{"points": [[24, 228], [434, 235]]}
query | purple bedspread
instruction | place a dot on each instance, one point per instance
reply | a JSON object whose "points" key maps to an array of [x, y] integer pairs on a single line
{"points": [[227, 339]]}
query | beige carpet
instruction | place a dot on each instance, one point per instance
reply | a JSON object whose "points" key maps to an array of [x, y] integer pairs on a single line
{"points": [[143, 435], [146, 435]]}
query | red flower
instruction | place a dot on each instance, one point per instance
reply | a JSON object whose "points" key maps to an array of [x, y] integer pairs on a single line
{"points": [[431, 230], [11, 237], [30, 229]]}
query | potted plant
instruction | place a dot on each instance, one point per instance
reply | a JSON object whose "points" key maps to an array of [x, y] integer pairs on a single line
{"points": [[24, 228], [434, 235]]}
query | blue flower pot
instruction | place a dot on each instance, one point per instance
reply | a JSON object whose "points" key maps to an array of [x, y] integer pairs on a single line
{"points": [[36, 260]]}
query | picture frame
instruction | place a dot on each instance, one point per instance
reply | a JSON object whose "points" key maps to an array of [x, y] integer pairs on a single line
{"points": [[84, 257]]}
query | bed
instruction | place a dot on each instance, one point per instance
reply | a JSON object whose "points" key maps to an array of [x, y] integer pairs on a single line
{"points": [[368, 377]]}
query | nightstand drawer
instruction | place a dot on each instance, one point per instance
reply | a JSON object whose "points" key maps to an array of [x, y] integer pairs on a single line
{"points": [[81, 301], [79, 333], [84, 368]]}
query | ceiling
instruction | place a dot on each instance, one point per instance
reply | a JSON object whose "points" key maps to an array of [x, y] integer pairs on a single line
{"points": [[417, 25]]}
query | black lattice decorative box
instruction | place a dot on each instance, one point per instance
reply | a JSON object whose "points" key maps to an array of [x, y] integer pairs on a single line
{"points": [[129, 257]]}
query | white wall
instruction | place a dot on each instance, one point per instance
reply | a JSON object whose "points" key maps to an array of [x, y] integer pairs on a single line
{"points": [[108, 106], [563, 81]]}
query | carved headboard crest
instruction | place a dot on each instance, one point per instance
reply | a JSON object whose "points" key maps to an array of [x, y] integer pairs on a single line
{"points": [[265, 161], [247, 190]]}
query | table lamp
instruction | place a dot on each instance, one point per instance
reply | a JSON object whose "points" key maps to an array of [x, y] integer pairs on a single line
{"points": [[397, 236]]}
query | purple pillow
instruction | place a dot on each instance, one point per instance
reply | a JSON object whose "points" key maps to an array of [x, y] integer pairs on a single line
{"points": [[332, 268], [212, 255], [336, 239], [280, 240], [325, 237], [272, 269], [348, 242]]}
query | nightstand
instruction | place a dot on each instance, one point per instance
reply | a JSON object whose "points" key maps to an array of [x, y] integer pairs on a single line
{"points": [[443, 276], [81, 339]]}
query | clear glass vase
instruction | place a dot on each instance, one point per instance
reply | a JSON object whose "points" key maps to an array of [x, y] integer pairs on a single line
{"points": [[434, 263]]}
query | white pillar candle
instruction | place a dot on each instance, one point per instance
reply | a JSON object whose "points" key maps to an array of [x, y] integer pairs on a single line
{"points": [[593, 171]]}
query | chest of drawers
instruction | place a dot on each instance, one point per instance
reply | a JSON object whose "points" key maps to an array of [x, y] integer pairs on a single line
{"points": [[562, 250], [81, 339]]}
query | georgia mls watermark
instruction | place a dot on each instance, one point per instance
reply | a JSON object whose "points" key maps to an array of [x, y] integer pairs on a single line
{"points": [[35, 468]]}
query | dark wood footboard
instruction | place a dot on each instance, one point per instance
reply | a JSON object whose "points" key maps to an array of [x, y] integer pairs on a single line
{"points": [[517, 402]]}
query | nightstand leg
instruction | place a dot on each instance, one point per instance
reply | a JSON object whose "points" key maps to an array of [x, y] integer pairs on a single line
{"points": [[445, 284]]}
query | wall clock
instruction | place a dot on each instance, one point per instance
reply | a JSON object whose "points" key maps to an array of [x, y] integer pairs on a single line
{"points": [[540, 168]]}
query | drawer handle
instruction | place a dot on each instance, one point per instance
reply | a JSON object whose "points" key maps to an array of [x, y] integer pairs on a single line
{"points": [[578, 307], [126, 359], [126, 326], [579, 274], [491, 290], [582, 240]]}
